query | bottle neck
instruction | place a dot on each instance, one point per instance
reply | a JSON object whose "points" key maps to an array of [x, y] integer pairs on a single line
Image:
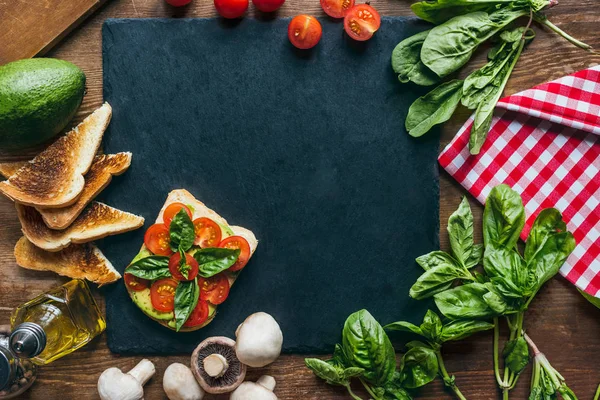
{"points": [[27, 340]]}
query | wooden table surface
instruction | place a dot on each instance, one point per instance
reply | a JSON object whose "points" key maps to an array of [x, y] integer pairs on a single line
{"points": [[563, 324]]}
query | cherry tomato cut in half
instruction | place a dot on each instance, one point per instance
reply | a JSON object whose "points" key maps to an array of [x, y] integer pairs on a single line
{"points": [[268, 5], [208, 232], [336, 8], [172, 210], [231, 9], [198, 316], [183, 271], [304, 31], [162, 294], [157, 240], [214, 289], [134, 283], [361, 22], [237, 242]]}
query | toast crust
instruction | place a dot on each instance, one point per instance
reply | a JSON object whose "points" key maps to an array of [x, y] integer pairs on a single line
{"points": [[54, 178], [78, 261], [95, 222], [8, 169]]}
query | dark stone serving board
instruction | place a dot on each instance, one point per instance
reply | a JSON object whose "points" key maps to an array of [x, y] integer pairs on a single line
{"points": [[305, 148]]}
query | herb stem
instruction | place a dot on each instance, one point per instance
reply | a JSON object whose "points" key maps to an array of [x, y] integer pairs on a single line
{"points": [[355, 397], [546, 22], [446, 377], [597, 395], [369, 390], [497, 351]]}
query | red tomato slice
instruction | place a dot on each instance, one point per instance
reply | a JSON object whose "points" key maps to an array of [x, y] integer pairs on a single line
{"points": [[134, 283], [162, 294], [175, 267], [214, 289], [157, 240], [361, 22], [198, 316], [231, 8], [237, 242], [304, 31], [172, 210], [208, 232], [336, 8], [268, 5]]}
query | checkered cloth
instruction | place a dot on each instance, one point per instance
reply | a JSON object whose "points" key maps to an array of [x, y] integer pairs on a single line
{"points": [[545, 143]]}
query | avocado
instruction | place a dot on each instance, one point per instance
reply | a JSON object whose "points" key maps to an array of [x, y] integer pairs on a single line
{"points": [[142, 300], [38, 98]]}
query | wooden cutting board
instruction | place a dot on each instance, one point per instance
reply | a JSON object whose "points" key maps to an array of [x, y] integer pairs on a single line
{"points": [[32, 27]]}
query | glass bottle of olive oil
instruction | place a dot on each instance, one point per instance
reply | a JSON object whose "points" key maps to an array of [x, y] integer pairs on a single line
{"points": [[56, 323]]}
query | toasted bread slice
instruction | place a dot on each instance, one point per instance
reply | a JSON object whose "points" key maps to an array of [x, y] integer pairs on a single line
{"points": [[54, 178], [95, 222], [8, 169], [99, 176], [82, 261]]}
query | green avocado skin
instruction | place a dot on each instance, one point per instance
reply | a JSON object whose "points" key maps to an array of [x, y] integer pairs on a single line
{"points": [[38, 98]]}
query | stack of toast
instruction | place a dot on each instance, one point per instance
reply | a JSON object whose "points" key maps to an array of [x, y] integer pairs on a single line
{"points": [[54, 193]]}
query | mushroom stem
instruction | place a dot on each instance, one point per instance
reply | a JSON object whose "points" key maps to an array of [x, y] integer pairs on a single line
{"points": [[143, 371], [215, 365], [267, 381]]}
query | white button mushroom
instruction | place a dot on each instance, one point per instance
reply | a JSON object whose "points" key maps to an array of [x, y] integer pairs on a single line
{"points": [[261, 390], [259, 340], [113, 384], [179, 383]]}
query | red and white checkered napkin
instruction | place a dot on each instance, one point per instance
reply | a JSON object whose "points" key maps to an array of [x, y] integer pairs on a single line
{"points": [[545, 143]]}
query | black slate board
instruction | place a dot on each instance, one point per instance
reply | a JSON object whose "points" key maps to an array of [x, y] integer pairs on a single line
{"points": [[306, 149]]}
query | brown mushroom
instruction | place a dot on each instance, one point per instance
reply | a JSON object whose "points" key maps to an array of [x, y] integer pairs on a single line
{"points": [[216, 367]]}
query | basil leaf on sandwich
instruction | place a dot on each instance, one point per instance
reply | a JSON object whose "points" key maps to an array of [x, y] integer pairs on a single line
{"points": [[213, 260], [181, 232], [186, 299], [151, 268]]}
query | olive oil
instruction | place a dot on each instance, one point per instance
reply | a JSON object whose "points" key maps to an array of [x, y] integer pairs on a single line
{"points": [[68, 317]]}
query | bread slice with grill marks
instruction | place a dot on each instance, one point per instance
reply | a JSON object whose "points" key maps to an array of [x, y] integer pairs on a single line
{"points": [[54, 178], [97, 221], [81, 261]]}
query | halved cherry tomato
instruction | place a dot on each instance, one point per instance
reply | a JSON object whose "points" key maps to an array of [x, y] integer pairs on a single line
{"points": [[162, 294], [208, 232], [214, 289], [157, 240], [304, 31], [361, 22], [176, 268], [268, 6], [237, 242], [336, 8], [172, 210], [198, 316], [231, 8], [134, 283]]}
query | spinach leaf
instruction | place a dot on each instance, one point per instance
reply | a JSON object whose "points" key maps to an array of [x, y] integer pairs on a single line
{"points": [[475, 257], [406, 62], [503, 217], [434, 259], [213, 260], [151, 267], [460, 231], [181, 232], [516, 355], [332, 374], [436, 280], [434, 108], [465, 302], [449, 46], [418, 366], [457, 330], [186, 299], [366, 345]]}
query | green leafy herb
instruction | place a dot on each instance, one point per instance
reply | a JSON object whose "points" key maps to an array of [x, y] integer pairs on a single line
{"points": [[183, 266], [516, 355], [466, 301], [150, 267], [334, 374], [406, 62], [460, 232], [214, 260], [181, 232], [503, 217], [186, 299], [434, 259], [461, 329], [594, 300], [419, 366], [436, 280]]}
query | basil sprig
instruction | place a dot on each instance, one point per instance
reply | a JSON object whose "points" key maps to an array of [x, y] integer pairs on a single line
{"points": [[181, 232], [186, 299], [151, 268], [214, 260]]}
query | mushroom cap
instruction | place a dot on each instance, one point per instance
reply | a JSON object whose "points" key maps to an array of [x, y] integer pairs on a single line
{"points": [[179, 383], [259, 340], [252, 391], [233, 376], [113, 384]]}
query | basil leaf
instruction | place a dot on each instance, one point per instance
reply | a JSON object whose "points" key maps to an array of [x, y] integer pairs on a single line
{"points": [[418, 367], [366, 346], [435, 258], [338, 359], [404, 327], [332, 374], [186, 299], [151, 268], [503, 217], [181, 232], [548, 222], [436, 280], [516, 355], [213, 260], [406, 62], [507, 265], [552, 256], [393, 390], [495, 301], [475, 257], [458, 330], [460, 231], [432, 326], [434, 108], [463, 302]]}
